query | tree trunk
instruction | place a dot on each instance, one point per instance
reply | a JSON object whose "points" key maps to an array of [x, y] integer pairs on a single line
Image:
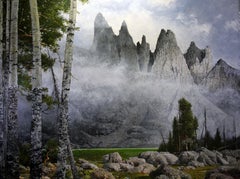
{"points": [[12, 165], [36, 128], [64, 142], [5, 58], [1, 94]]}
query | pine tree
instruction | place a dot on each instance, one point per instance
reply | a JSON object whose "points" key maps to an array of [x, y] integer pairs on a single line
{"points": [[187, 123], [176, 137], [217, 139], [184, 128]]}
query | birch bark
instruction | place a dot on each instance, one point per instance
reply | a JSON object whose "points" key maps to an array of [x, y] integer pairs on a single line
{"points": [[12, 165], [1, 94], [64, 142], [36, 127]]}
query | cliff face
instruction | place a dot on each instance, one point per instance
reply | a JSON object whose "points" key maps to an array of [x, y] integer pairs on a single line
{"points": [[105, 41], [169, 62], [222, 76], [199, 62], [127, 49]]}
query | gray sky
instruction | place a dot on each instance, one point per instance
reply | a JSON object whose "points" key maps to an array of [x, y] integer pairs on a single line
{"points": [[214, 23]]}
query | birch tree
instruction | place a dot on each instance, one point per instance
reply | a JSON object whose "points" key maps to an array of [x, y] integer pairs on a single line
{"points": [[36, 128], [64, 142], [12, 164], [1, 93]]}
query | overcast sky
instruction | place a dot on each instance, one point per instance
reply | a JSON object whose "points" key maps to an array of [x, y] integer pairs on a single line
{"points": [[214, 23]]}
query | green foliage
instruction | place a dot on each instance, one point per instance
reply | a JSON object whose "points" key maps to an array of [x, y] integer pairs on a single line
{"points": [[47, 62], [48, 100], [24, 154], [51, 151], [24, 80], [184, 135], [52, 23]]}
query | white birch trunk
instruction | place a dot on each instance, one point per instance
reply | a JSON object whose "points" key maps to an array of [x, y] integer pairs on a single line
{"points": [[36, 128], [6, 42], [1, 94], [12, 165], [64, 142]]}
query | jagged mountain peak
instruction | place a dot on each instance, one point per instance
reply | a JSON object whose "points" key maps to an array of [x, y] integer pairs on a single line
{"points": [[124, 28], [100, 21], [223, 76], [144, 39], [166, 38], [221, 62]]}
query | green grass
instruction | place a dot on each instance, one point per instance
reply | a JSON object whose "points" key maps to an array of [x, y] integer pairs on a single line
{"points": [[199, 173], [95, 155]]}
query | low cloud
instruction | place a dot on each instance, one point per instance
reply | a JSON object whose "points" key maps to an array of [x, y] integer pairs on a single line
{"points": [[232, 25]]}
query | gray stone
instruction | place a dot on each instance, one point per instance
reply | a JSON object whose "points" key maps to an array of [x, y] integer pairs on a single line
{"points": [[112, 167], [169, 172], [88, 166], [101, 174], [187, 156], [112, 158], [135, 161], [157, 158]]}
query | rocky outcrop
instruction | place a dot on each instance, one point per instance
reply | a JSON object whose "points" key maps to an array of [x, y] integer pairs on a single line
{"points": [[222, 76], [127, 49], [204, 157], [159, 158], [223, 172], [143, 51], [199, 62], [169, 62], [105, 41], [114, 49], [112, 162], [167, 172]]}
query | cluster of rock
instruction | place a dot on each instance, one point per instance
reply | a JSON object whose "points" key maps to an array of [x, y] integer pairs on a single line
{"points": [[114, 162], [158, 164]]}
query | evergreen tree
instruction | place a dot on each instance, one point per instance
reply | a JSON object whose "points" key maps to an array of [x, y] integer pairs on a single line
{"points": [[217, 140], [184, 128], [208, 140], [176, 139], [187, 124]]}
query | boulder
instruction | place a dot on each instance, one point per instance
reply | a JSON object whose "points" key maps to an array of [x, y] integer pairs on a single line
{"points": [[101, 174], [135, 161], [223, 172], [157, 158], [112, 167], [126, 167], [112, 158], [165, 171], [187, 156], [145, 168], [88, 166]]}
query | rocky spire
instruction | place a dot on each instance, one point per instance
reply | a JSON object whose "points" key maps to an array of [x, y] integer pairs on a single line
{"points": [[199, 61], [143, 51], [127, 49], [100, 22], [105, 41], [221, 76], [169, 62]]}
